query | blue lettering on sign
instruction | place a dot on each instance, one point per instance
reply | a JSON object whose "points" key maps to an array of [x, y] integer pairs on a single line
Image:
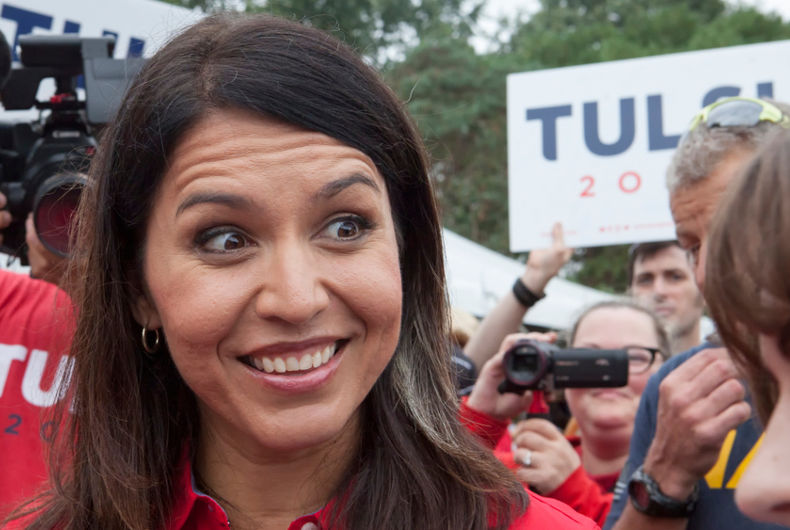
{"points": [[548, 116], [720, 92], [657, 140], [627, 129], [765, 90], [71, 27], [136, 47], [108, 33], [25, 20]]}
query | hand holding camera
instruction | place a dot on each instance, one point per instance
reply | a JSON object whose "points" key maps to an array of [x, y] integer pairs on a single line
{"points": [[486, 398]]}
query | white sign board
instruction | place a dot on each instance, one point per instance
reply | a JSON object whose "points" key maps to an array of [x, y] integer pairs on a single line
{"points": [[589, 145]]}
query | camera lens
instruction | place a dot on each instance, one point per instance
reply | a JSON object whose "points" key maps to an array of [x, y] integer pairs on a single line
{"points": [[54, 208], [526, 362]]}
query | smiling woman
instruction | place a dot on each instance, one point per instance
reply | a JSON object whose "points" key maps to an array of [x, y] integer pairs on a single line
{"points": [[262, 336]]}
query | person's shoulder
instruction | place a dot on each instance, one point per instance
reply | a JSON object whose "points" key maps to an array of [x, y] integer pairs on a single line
{"points": [[18, 285], [549, 513]]}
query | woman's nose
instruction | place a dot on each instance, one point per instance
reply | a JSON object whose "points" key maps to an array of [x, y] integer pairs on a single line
{"points": [[763, 492], [293, 286]]}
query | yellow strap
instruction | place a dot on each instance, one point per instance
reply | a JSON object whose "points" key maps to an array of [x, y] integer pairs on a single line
{"points": [[715, 477], [733, 483]]}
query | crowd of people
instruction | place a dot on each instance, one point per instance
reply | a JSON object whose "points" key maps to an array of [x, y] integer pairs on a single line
{"points": [[256, 334]]}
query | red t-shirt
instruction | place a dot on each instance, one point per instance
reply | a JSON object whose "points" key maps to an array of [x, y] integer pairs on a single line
{"points": [[35, 329]]}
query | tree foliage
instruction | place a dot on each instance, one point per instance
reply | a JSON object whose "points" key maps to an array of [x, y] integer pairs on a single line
{"points": [[457, 95]]}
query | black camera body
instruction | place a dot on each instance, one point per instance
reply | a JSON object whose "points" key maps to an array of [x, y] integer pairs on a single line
{"points": [[533, 365], [43, 163]]}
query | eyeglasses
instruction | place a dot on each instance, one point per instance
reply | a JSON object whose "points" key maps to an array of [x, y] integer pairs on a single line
{"points": [[641, 358], [739, 112]]}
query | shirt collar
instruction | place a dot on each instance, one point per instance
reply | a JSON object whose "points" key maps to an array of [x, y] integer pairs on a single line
{"points": [[195, 510]]}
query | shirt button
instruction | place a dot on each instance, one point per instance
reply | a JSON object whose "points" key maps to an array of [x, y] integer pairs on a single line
{"points": [[309, 526]]}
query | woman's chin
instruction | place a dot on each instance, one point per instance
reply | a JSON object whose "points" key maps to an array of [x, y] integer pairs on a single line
{"points": [[612, 423]]}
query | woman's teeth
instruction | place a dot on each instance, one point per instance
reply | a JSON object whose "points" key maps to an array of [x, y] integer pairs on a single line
{"points": [[307, 361]]}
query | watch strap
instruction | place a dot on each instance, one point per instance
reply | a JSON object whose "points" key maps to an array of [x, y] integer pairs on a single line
{"points": [[647, 497]]}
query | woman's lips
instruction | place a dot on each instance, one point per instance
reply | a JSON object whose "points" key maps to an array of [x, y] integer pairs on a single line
{"points": [[610, 393], [287, 363], [297, 379]]}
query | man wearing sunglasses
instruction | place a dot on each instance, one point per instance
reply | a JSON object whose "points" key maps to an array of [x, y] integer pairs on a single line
{"points": [[694, 431]]}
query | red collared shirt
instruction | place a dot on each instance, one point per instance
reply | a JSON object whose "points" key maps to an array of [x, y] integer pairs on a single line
{"points": [[194, 510]]}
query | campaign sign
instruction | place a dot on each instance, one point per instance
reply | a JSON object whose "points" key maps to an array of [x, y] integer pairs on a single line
{"points": [[589, 145]]}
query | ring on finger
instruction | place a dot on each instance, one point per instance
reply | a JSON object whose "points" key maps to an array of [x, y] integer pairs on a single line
{"points": [[526, 460]]}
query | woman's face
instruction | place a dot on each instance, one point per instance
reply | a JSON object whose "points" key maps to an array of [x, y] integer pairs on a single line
{"points": [[763, 492], [611, 411], [271, 266]]}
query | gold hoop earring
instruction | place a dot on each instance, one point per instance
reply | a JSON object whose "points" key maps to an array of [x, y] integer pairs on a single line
{"points": [[150, 348]]}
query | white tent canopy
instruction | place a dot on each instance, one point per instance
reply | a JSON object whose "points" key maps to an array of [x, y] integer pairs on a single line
{"points": [[478, 277]]}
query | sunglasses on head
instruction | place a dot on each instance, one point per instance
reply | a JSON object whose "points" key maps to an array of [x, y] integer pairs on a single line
{"points": [[739, 112]]}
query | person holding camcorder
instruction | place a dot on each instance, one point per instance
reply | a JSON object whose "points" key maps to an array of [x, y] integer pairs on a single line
{"points": [[616, 346], [40, 166]]}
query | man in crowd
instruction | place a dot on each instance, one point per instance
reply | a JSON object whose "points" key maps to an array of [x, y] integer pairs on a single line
{"points": [[694, 432], [660, 277]]}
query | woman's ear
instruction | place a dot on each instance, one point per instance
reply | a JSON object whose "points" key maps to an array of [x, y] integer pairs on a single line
{"points": [[145, 313]]}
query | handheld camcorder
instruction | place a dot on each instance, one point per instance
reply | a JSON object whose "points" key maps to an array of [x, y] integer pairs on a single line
{"points": [[533, 365], [43, 163]]}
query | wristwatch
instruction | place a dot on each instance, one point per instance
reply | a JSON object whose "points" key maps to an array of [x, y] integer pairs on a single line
{"points": [[647, 497]]}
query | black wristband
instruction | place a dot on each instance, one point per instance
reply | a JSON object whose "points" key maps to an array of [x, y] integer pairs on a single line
{"points": [[524, 296]]}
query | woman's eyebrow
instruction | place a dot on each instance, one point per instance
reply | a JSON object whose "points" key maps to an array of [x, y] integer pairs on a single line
{"points": [[330, 189], [227, 199]]}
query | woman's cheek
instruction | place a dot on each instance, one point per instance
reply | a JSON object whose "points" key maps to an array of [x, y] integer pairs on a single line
{"points": [[638, 382]]}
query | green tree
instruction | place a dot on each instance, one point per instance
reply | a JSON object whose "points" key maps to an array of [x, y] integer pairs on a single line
{"points": [[382, 30], [457, 98]]}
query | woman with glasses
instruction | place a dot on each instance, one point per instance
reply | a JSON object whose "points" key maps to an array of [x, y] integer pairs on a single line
{"points": [[579, 470]]}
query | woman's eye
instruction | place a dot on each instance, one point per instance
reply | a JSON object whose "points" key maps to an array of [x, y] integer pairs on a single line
{"points": [[347, 228], [221, 240]]}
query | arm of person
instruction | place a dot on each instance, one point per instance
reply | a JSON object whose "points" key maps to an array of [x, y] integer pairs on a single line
{"points": [[44, 265], [506, 317], [5, 216], [584, 495], [698, 404], [550, 464]]}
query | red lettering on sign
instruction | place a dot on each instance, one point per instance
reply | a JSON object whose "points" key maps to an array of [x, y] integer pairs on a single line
{"points": [[587, 192], [632, 184]]}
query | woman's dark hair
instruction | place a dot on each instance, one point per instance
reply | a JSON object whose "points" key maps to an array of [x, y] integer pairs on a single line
{"points": [[133, 415], [747, 284]]}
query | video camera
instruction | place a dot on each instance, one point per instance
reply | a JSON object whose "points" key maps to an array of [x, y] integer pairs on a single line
{"points": [[533, 365], [43, 163]]}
